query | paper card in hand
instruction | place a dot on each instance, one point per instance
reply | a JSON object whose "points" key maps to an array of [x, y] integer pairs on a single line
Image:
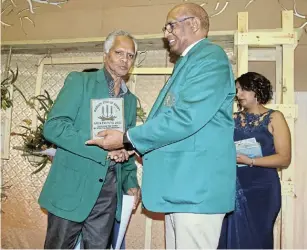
{"points": [[249, 147]]}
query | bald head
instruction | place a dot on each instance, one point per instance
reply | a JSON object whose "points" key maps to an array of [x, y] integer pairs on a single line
{"points": [[192, 9], [185, 24]]}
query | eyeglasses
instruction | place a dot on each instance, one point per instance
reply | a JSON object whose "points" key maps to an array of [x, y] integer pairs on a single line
{"points": [[169, 27]]}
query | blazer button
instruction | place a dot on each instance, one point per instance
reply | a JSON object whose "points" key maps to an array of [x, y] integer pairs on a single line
{"points": [[100, 180]]}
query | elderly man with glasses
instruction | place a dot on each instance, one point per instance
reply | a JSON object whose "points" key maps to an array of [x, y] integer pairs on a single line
{"points": [[187, 143]]}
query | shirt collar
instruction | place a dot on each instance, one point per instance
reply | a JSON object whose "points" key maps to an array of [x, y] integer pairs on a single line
{"points": [[123, 87], [190, 47]]}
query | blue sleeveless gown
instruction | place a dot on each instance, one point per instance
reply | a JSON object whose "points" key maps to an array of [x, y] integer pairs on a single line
{"points": [[258, 195]]}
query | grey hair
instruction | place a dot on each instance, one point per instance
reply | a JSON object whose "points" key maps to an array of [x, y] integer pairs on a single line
{"points": [[111, 37]]}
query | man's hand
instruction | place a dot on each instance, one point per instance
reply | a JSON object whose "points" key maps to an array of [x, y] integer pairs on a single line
{"points": [[120, 155], [112, 139], [136, 192]]}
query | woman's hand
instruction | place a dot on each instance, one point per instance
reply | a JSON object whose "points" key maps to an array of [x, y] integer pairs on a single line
{"points": [[243, 159]]}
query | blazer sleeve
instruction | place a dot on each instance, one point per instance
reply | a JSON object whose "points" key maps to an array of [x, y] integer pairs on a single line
{"points": [[59, 127], [129, 175], [129, 169], [207, 84]]}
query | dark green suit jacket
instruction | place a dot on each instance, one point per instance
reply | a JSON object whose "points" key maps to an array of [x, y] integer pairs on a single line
{"points": [[74, 181]]}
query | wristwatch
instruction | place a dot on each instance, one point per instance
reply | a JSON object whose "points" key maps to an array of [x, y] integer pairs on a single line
{"points": [[127, 144]]}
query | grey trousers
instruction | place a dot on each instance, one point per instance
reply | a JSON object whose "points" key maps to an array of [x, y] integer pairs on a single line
{"points": [[95, 229]]}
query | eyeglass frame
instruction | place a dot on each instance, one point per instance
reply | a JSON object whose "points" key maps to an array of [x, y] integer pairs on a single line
{"points": [[172, 26]]}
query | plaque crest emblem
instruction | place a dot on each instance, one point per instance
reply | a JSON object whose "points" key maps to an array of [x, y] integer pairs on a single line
{"points": [[108, 112]]}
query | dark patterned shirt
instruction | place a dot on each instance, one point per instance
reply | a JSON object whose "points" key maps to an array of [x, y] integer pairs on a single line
{"points": [[123, 88]]}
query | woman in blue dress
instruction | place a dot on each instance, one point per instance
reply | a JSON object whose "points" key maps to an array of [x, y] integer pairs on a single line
{"points": [[258, 196]]}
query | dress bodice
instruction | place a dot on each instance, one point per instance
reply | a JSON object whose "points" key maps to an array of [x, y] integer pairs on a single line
{"points": [[249, 125]]}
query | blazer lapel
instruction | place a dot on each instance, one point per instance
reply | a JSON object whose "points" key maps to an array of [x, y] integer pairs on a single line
{"points": [[102, 86], [126, 108], [167, 86]]}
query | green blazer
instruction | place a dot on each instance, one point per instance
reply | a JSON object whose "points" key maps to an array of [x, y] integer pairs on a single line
{"points": [[78, 171], [189, 158]]}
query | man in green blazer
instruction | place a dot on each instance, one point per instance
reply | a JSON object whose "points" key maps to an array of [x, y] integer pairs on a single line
{"points": [[189, 156], [83, 190]]}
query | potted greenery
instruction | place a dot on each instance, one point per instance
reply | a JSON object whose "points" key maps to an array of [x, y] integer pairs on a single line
{"points": [[140, 113], [6, 84], [34, 142]]}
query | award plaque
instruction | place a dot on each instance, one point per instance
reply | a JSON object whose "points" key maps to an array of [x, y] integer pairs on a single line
{"points": [[106, 114]]}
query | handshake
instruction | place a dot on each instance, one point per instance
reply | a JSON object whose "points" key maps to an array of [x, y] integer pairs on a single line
{"points": [[112, 140], [120, 155]]}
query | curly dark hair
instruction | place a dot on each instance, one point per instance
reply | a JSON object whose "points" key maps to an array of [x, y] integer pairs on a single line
{"points": [[252, 81]]}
